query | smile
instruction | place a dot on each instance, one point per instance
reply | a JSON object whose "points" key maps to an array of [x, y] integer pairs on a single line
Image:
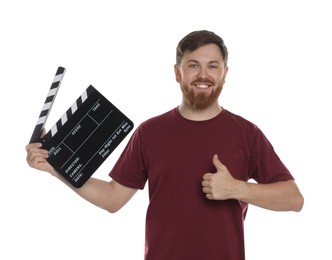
{"points": [[202, 86]]}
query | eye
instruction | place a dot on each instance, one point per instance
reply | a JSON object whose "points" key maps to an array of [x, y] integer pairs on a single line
{"points": [[193, 66], [213, 66]]}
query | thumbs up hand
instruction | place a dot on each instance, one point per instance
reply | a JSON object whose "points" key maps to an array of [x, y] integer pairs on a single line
{"points": [[219, 185]]}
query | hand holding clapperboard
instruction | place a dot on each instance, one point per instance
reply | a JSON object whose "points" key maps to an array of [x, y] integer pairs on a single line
{"points": [[84, 136]]}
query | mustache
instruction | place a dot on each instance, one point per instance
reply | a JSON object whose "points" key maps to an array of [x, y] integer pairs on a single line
{"points": [[203, 80]]}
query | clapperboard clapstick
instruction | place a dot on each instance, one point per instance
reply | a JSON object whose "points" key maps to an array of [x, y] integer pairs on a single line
{"points": [[51, 95], [85, 135]]}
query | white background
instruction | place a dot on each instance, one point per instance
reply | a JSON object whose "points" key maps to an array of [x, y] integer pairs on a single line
{"points": [[279, 78]]}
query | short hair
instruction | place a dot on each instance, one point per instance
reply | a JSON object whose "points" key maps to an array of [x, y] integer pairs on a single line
{"points": [[197, 39]]}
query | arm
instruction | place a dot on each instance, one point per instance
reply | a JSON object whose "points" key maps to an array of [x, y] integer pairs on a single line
{"points": [[110, 196], [279, 196]]}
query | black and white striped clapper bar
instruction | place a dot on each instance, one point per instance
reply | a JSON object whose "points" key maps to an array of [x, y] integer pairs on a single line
{"points": [[85, 135], [51, 95]]}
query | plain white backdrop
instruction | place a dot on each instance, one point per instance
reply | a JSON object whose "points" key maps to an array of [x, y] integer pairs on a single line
{"points": [[279, 78]]}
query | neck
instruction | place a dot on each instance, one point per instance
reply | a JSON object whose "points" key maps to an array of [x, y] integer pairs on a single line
{"points": [[191, 113]]}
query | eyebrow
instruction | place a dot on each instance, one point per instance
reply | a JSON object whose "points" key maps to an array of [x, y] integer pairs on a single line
{"points": [[196, 61]]}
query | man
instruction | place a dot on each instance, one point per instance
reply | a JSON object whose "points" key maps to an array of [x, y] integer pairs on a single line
{"points": [[197, 159]]}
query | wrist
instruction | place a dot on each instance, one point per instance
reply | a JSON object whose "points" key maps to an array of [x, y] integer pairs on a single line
{"points": [[240, 190]]}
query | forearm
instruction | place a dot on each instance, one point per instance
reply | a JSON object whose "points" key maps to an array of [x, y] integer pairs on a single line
{"points": [[279, 196], [110, 196]]}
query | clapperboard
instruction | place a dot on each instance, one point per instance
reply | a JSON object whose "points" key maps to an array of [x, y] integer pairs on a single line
{"points": [[85, 135]]}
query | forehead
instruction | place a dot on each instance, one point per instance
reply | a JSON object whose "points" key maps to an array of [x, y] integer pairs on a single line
{"points": [[205, 53]]}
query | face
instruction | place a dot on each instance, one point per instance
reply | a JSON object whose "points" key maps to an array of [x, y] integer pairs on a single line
{"points": [[201, 76]]}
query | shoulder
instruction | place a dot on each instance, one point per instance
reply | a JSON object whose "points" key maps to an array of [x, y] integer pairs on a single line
{"points": [[159, 120], [238, 121]]}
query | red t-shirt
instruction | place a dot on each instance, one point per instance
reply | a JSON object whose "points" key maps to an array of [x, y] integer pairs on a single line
{"points": [[173, 154]]}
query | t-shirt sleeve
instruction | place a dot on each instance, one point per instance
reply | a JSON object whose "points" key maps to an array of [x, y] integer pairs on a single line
{"points": [[265, 165], [129, 170]]}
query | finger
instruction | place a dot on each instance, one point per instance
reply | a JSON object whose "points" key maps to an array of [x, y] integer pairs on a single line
{"points": [[217, 163], [209, 196], [205, 183], [35, 151], [35, 161], [32, 145], [207, 176], [33, 158], [206, 190], [35, 154]]}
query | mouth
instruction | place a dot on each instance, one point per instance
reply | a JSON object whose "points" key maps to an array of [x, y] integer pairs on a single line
{"points": [[202, 86]]}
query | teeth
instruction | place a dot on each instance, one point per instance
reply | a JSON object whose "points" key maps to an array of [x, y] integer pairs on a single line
{"points": [[202, 86]]}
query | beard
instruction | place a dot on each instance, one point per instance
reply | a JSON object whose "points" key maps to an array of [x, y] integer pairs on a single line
{"points": [[202, 100]]}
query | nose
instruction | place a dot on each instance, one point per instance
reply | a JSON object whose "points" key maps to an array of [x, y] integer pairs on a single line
{"points": [[202, 72]]}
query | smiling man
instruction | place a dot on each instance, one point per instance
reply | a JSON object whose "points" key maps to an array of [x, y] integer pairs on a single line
{"points": [[197, 159], [201, 75]]}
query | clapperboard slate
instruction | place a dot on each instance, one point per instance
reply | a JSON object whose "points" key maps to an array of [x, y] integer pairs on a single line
{"points": [[85, 136]]}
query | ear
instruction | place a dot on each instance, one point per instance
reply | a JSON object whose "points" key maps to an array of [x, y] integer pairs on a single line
{"points": [[225, 74], [177, 73]]}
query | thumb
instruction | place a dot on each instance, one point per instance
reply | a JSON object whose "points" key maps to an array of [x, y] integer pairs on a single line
{"points": [[217, 163]]}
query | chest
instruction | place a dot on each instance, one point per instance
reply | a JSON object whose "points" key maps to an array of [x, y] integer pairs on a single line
{"points": [[175, 154]]}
